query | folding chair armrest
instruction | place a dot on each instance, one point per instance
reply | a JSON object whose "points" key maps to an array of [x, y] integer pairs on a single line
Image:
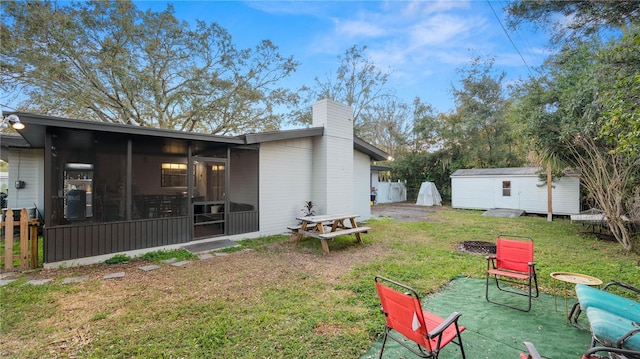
{"points": [[628, 335], [621, 284], [610, 350], [451, 319], [531, 264], [491, 261], [533, 352]]}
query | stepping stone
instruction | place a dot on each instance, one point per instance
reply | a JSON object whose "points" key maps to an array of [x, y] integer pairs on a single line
{"points": [[74, 280], [222, 254], [4, 282], [169, 261], [7, 275], [150, 267], [39, 281], [205, 256], [180, 264], [114, 275]]}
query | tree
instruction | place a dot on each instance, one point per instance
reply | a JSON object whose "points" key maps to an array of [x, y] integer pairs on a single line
{"points": [[584, 110], [577, 18], [427, 131], [620, 94], [482, 108], [385, 126], [619, 60], [109, 61], [563, 111], [357, 83]]}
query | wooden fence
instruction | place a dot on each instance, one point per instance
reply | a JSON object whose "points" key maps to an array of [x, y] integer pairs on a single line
{"points": [[28, 240]]}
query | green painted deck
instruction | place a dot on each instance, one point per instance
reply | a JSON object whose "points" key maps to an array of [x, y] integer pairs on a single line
{"points": [[495, 331]]}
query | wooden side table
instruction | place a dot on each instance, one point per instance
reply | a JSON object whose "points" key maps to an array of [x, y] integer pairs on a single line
{"points": [[568, 277]]}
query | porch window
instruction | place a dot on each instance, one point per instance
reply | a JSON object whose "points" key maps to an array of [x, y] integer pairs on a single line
{"points": [[173, 175], [506, 188], [384, 176]]}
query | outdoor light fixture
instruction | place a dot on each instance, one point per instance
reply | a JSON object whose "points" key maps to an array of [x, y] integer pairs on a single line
{"points": [[11, 119]]}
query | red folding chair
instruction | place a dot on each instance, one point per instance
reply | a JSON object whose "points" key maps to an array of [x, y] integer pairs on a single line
{"points": [[405, 316], [592, 353], [513, 264]]}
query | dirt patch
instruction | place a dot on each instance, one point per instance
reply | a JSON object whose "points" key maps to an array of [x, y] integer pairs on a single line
{"points": [[239, 276], [404, 211]]}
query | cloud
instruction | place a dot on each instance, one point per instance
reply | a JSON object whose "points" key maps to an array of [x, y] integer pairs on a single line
{"points": [[357, 29], [442, 29], [421, 43]]}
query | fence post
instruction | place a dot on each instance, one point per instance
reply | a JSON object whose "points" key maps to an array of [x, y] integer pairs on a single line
{"points": [[33, 228], [8, 240], [24, 239], [28, 232]]}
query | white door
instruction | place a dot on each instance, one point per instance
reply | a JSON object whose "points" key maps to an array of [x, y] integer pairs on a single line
{"points": [[507, 193]]}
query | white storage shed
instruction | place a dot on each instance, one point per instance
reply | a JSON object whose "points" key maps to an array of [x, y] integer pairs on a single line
{"points": [[513, 188]]}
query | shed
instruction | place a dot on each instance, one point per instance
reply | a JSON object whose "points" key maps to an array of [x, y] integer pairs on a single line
{"points": [[514, 188], [107, 188]]}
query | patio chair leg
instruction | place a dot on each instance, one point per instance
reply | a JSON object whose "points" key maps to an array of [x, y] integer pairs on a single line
{"points": [[384, 341], [460, 342], [574, 315], [486, 293]]}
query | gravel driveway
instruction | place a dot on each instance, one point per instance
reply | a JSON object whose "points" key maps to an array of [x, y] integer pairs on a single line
{"points": [[403, 211]]}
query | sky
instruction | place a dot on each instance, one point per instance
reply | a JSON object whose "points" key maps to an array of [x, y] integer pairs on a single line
{"points": [[422, 44]]}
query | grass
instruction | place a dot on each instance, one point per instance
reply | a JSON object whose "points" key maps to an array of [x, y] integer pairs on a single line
{"points": [[161, 255], [281, 311], [16, 251]]}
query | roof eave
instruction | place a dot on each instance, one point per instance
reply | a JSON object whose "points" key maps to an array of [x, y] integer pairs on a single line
{"points": [[35, 126], [374, 153], [252, 138]]}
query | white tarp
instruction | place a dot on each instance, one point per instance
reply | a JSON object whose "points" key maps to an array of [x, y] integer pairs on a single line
{"points": [[428, 195]]}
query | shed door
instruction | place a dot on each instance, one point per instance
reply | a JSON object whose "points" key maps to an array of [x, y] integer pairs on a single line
{"points": [[507, 193], [209, 197]]}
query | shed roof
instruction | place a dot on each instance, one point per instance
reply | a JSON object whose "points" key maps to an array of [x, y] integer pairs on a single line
{"points": [[508, 171]]}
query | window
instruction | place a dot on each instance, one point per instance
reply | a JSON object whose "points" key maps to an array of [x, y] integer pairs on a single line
{"points": [[174, 175], [384, 176], [506, 188]]}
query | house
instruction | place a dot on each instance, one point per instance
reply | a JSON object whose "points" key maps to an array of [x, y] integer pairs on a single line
{"points": [[105, 188], [513, 188], [387, 191]]}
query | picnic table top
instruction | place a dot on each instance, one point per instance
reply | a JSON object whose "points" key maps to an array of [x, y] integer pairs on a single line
{"points": [[326, 217], [587, 217]]}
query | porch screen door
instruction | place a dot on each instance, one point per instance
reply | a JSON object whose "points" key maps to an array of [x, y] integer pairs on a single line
{"points": [[209, 192]]}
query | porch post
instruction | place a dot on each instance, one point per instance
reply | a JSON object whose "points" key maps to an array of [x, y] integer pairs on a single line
{"points": [[129, 190], [190, 182]]}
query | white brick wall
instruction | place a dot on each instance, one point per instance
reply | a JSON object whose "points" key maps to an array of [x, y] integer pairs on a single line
{"points": [[361, 190], [285, 183]]}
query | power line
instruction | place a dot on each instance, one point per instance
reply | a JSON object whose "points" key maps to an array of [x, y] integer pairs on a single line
{"points": [[509, 37], [522, 39]]}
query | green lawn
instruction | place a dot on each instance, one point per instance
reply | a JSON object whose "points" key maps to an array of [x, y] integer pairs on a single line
{"points": [[281, 300]]}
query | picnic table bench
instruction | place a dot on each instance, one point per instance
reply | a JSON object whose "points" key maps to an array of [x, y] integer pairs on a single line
{"points": [[326, 227]]}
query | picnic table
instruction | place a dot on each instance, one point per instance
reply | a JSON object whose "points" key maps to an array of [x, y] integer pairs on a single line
{"points": [[593, 220], [326, 227]]}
